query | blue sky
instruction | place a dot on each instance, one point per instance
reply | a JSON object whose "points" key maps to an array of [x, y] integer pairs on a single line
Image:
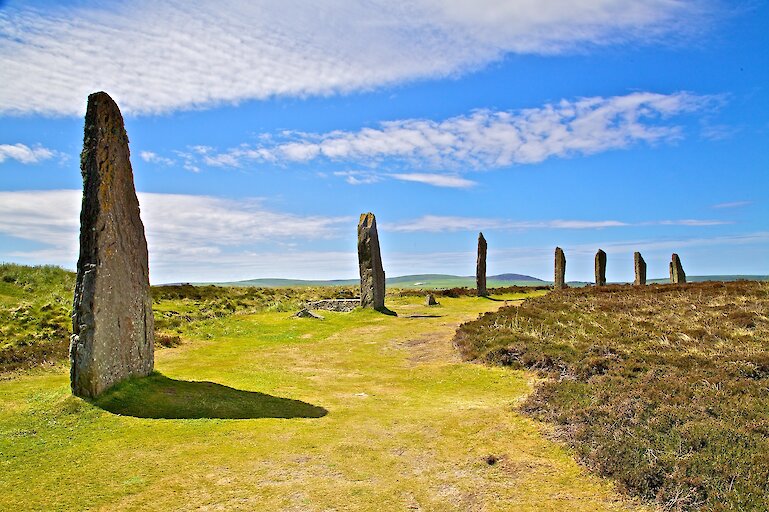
{"points": [[261, 130]]}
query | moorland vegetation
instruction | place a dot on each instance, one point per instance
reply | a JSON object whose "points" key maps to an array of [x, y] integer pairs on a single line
{"points": [[663, 388]]}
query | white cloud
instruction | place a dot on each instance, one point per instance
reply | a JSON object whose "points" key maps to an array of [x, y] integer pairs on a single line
{"points": [[440, 223], [25, 154], [182, 230], [436, 180], [732, 204], [154, 158], [358, 177], [163, 56], [488, 139], [692, 222]]}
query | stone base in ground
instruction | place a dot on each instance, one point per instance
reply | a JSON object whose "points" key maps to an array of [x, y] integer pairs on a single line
{"points": [[341, 305]]}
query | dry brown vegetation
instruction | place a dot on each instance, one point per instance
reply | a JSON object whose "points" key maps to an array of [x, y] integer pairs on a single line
{"points": [[664, 388]]}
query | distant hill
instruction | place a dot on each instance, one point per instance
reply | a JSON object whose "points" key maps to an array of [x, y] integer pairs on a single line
{"points": [[443, 281], [423, 281]]}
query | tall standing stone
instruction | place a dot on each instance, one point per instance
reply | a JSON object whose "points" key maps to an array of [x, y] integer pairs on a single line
{"points": [[600, 268], [372, 276], [640, 269], [677, 275], [112, 321], [480, 267], [559, 282]]}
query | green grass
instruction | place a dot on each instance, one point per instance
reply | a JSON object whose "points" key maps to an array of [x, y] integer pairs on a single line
{"points": [[663, 388], [35, 305], [360, 411]]}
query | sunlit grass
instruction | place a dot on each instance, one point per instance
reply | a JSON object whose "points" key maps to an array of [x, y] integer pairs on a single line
{"points": [[360, 411]]}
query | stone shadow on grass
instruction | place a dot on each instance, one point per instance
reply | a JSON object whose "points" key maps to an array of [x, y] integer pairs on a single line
{"points": [[160, 397], [492, 298]]}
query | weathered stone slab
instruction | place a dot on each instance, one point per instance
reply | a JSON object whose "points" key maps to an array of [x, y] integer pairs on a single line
{"points": [[600, 268], [480, 267], [372, 276], [639, 266], [340, 305], [559, 282], [112, 321], [430, 300], [677, 274]]}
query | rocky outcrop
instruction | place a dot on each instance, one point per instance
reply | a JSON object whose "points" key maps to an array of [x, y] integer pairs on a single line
{"points": [[559, 282], [112, 321], [372, 276], [640, 269], [677, 275], [480, 267], [600, 268]]}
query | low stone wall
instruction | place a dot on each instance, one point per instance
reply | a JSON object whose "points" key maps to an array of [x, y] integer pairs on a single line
{"points": [[341, 305]]}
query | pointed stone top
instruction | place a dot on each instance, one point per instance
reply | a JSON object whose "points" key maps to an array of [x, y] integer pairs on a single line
{"points": [[367, 219], [102, 103], [480, 234]]}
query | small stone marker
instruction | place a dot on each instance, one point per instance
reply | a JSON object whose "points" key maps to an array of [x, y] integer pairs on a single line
{"points": [[559, 282], [112, 322], [600, 268], [480, 267], [430, 300], [372, 276], [640, 269], [306, 313], [677, 275]]}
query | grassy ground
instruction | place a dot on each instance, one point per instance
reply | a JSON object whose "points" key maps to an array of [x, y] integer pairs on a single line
{"points": [[360, 411], [35, 305], [663, 388]]}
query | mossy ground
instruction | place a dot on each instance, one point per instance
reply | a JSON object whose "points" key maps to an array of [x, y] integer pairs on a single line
{"points": [[360, 411]]}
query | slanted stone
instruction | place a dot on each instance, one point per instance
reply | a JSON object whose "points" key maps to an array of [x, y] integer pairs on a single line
{"points": [[112, 323], [306, 313], [640, 269], [480, 267], [677, 275], [559, 282], [372, 276], [430, 300], [600, 268]]}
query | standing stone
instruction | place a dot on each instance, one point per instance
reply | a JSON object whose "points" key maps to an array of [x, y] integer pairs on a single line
{"points": [[559, 282], [112, 323], [600, 268], [677, 275], [640, 269], [480, 267], [372, 276], [430, 300]]}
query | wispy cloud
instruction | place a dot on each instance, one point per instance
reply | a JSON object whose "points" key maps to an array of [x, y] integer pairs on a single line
{"points": [[733, 204], [25, 154], [436, 180], [487, 139], [196, 53], [154, 158], [359, 177], [439, 223], [180, 228]]}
